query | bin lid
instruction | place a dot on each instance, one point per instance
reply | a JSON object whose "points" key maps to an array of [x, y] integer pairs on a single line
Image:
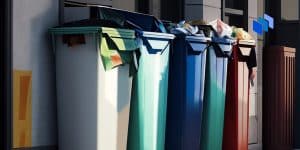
{"points": [[247, 42], [198, 39], [245, 46], [208, 30], [92, 26], [156, 41], [198, 43], [225, 41], [88, 30], [158, 35], [114, 41], [92, 22]]}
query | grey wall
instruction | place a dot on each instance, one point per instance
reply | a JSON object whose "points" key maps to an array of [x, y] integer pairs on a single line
{"points": [[32, 51], [207, 10], [124, 4], [255, 10], [290, 9]]}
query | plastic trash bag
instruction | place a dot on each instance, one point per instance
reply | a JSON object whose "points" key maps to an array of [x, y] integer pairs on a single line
{"points": [[185, 28], [203, 27], [222, 29], [241, 34]]}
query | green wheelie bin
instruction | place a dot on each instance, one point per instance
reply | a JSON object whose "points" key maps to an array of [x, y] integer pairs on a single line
{"points": [[214, 95], [147, 121]]}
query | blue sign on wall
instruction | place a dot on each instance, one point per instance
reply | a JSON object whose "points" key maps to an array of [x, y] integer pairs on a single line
{"points": [[263, 24]]}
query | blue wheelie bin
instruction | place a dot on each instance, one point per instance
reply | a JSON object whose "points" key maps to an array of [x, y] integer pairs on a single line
{"points": [[186, 91]]}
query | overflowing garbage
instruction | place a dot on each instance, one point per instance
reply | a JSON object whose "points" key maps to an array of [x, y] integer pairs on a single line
{"points": [[200, 27]]}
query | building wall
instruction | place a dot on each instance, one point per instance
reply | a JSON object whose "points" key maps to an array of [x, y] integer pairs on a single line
{"points": [[207, 10], [255, 10], [34, 73], [33, 66], [124, 4]]}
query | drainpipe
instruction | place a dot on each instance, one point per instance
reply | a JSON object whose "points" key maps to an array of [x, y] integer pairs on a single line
{"points": [[6, 76], [61, 11]]}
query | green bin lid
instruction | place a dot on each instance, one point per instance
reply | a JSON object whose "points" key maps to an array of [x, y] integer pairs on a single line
{"points": [[115, 41]]}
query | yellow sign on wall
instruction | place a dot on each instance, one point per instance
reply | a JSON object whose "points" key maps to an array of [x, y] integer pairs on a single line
{"points": [[22, 117]]}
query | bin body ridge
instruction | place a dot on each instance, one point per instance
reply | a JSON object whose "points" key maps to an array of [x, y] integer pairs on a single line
{"points": [[149, 96], [237, 102], [279, 97], [186, 91], [93, 104], [214, 99]]}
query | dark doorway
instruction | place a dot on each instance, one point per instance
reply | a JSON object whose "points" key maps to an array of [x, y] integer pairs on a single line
{"points": [[287, 33], [5, 75], [286, 24], [143, 6], [172, 10]]}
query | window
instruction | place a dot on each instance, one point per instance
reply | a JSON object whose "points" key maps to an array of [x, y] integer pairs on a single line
{"points": [[235, 13], [234, 4], [174, 13], [289, 10], [234, 20]]}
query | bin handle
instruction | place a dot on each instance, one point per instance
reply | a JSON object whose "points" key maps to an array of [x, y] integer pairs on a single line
{"points": [[163, 50], [207, 46], [215, 44], [135, 61], [111, 38], [145, 41], [53, 43]]}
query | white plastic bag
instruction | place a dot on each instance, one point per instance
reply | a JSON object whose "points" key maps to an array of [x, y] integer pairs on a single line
{"points": [[221, 28]]}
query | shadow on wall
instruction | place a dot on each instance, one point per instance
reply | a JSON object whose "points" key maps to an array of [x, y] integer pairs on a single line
{"points": [[44, 124], [32, 52]]}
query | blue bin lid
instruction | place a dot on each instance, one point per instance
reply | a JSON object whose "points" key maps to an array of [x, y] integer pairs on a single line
{"points": [[158, 35], [201, 39], [156, 42], [224, 40], [198, 43]]}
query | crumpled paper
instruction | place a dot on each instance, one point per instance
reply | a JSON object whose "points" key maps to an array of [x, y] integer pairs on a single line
{"points": [[241, 34]]}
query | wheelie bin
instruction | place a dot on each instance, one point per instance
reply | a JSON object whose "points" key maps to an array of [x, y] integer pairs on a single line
{"points": [[93, 84], [150, 84], [186, 92], [237, 97], [149, 98], [214, 95]]}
